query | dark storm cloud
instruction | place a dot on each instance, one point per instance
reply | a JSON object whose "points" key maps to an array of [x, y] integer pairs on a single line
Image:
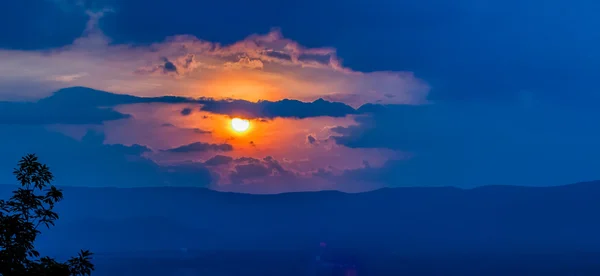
{"points": [[88, 97], [76, 105], [81, 105], [201, 147], [41, 113], [284, 108]]}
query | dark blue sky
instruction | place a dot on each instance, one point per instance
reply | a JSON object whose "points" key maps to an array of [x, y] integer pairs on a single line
{"points": [[513, 84]]}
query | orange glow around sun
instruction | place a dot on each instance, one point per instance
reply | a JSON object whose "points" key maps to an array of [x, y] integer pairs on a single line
{"points": [[240, 125], [245, 86]]}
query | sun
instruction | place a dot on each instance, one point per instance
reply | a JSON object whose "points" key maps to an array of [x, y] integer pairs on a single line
{"points": [[240, 125]]}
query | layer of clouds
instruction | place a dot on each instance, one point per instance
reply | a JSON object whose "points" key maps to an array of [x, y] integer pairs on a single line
{"points": [[267, 66], [81, 105], [445, 144]]}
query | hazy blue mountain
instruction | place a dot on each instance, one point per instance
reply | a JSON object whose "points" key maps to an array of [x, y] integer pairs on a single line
{"points": [[432, 220]]}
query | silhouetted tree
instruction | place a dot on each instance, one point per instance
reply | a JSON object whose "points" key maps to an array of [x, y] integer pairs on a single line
{"points": [[30, 207]]}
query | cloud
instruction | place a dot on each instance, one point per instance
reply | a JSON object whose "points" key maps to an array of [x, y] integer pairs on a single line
{"points": [[166, 67], [186, 111], [470, 144], [134, 149], [169, 66], [275, 166], [195, 130], [88, 97], [267, 175], [251, 169], [449, 142], [218, 160], [244, 62], [177, 68], [75, 105], [41, 113], [282, 139], [201, 131], [156, 123], [323, 173], [267, 66], [247, 160], [81, 105], [311, 139], [284, 108], [201, 147], [94, 138], [69, 78], [397, 127], [70, 160]]}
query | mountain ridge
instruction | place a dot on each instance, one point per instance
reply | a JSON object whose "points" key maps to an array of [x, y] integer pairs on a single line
{"points": [[411, 220]]}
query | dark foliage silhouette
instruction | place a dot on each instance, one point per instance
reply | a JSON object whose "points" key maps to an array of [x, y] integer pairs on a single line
{"points": [[30, 207]]}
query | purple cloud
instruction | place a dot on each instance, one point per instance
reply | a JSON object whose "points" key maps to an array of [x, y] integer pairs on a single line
{"points": [[201, 147]]}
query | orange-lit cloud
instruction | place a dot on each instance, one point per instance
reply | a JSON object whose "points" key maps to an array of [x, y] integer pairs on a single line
{"points": [[276, 149], [267, 66], [294, 148]]}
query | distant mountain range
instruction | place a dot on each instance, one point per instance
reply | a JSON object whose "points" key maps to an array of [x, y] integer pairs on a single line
{"points": [[418, 220]]}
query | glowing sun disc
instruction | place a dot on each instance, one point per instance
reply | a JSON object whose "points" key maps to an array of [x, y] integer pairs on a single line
{"points": [[240, 125]]}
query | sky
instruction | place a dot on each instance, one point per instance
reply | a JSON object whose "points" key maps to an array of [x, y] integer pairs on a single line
{"points": [[344, 95]]}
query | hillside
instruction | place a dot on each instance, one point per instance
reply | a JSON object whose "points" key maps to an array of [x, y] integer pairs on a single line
{"points": [[432, 220]]}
